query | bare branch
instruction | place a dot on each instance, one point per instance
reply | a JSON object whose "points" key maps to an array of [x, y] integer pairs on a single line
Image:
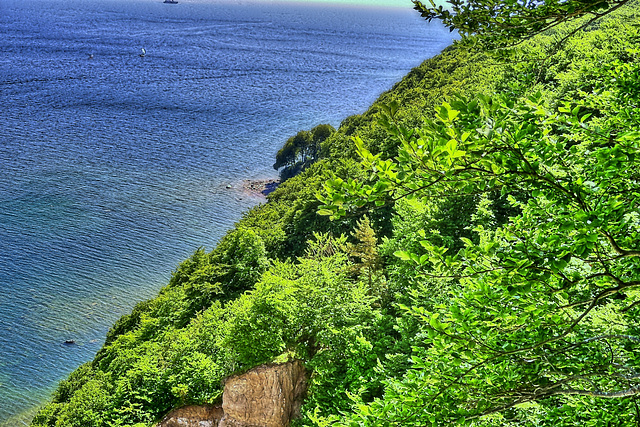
{"points": [[603, 394]]}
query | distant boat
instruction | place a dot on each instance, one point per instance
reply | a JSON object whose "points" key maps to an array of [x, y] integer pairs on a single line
{"points": [[171, 1], [144, 52]]}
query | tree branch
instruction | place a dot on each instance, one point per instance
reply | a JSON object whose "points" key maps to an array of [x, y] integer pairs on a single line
{"points": [[622, 253], [603, 394]]}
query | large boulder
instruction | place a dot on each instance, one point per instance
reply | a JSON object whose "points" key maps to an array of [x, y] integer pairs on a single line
{"points": [[265, 396]]}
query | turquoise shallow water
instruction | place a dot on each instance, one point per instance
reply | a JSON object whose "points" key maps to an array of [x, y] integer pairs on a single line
{"points": [[115, 167]]}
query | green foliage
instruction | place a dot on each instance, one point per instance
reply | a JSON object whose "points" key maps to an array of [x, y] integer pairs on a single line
{"points": [[84, 400], [545, 305], [241, 256], [365, 251], [233, 267], [493, 25], [301, 150], [310, 309], [290, 218]]}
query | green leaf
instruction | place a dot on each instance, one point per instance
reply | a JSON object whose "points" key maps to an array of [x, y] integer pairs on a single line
{"points": [[403, 255]]}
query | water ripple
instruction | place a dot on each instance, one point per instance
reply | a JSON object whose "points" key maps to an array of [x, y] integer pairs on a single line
{"points": [[115, 167]]}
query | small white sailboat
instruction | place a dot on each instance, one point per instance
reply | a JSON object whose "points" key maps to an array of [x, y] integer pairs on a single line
{"points": [[143, 54]]}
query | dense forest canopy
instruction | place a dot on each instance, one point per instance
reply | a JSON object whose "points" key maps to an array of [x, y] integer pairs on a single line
{"points": [[476, 259], [492, 24]]}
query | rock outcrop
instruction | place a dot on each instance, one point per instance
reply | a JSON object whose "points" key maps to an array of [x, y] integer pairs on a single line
{"points": [[265, 396], [194, 416]]}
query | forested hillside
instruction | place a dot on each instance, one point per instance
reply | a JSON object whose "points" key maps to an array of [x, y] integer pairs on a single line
{"points": [[466, 251]]}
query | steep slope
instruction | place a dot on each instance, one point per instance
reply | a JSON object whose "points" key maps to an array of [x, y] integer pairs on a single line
{"points": [[287, 283]]}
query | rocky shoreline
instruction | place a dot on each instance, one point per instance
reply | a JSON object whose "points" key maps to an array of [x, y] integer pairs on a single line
{"points": [[262, 186]]}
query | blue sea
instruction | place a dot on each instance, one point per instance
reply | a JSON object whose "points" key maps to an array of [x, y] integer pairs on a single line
{"points": [[114, 166]]}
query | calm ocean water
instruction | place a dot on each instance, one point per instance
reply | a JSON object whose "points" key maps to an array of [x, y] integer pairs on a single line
{"points": [[115, 167]]}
